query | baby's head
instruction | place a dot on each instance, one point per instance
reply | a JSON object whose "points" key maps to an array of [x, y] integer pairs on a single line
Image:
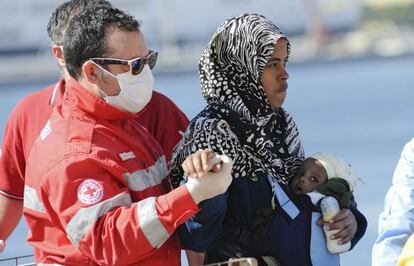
{"points": [[317, 169]]}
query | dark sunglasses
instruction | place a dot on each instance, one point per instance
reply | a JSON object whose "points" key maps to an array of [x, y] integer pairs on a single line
{"points": [[135, 65]]}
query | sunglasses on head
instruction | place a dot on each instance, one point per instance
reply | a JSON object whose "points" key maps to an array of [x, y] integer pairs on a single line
{"points": [[136, 65]]}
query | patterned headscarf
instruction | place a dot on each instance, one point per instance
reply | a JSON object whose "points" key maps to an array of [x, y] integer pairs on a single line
{"points": [[238, 120]]}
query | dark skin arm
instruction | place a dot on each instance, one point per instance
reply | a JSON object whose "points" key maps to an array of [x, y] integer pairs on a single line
{"points": [[345, 222]]}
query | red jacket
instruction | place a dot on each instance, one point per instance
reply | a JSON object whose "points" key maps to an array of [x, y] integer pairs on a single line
{"points": [[95, 191], [161, 117], [166, 123]]}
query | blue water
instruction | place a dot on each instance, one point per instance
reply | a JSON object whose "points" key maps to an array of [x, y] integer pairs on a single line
{"points": [[360, 110]]}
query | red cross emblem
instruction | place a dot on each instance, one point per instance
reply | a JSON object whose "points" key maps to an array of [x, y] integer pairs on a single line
{"points": [[90, 191]]}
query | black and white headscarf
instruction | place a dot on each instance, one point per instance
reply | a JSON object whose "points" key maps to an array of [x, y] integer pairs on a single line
{"points": [[238, 120]]}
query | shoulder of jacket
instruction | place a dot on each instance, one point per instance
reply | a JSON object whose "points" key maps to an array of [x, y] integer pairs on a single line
{"points": [[160, 100], [78, 133]]}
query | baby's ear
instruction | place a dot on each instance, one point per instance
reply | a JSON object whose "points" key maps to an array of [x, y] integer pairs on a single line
{"points": [[294, 175]]}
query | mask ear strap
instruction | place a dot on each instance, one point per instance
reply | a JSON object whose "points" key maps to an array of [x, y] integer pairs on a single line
{"points": [[104, 70]]}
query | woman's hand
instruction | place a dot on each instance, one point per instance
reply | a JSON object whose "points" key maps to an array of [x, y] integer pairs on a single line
{"points": [[200, 162], [209, 174], [345, 222]]}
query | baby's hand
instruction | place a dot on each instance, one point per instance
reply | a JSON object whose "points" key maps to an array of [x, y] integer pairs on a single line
{"points": [[345, 222]]}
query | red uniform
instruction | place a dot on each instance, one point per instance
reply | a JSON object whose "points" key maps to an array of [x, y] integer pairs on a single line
{"points": [[166, 123], [95, 189], [161, 117]]}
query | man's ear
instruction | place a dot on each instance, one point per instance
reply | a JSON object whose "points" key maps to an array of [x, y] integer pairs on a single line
{"points": [[57, 51], [91, 72]]}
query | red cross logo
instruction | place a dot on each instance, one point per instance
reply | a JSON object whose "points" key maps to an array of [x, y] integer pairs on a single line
{"points": [[90, 191]]}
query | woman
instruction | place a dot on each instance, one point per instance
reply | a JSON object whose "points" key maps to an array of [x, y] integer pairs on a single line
{"points": [[244, 81]]}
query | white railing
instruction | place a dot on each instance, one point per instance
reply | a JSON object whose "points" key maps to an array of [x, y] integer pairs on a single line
{"points": [[18, 259]]}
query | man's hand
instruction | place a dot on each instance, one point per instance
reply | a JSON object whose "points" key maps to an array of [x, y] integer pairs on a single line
{"points": [[345, 222], [209, 174]]}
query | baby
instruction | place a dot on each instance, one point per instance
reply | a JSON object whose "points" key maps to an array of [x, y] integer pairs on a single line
{"points": [[324, 174], [298, 210]]}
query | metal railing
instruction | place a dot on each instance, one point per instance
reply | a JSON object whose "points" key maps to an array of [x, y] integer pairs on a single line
{"points": [[236, 262], [17, 260]]}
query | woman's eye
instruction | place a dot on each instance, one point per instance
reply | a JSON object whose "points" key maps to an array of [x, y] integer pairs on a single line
{"points": [[272, 65]]}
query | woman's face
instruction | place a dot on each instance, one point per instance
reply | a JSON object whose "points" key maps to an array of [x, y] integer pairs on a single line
{"points": [[274, 77]]}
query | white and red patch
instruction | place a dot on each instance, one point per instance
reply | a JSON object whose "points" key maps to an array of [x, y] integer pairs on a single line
{"points": [[90, 191], [129, 155]]}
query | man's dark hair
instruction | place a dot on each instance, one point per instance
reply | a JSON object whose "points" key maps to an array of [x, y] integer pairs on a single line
{"points": [[59, 20], [85, 36]]}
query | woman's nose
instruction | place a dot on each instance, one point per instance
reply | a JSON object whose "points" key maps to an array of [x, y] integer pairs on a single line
{"points": [[284, 76]]}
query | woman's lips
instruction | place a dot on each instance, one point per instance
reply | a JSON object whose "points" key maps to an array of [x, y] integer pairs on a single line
{"points": [[284, 87]]}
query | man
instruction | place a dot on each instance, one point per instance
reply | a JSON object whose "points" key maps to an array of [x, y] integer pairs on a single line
{"points": [[95, 188], [30, 115], [395, 223]]}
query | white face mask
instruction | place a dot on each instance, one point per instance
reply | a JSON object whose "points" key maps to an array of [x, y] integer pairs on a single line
{"points": [[136, 91]]}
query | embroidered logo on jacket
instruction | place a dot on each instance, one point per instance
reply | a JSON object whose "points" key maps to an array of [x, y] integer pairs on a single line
{"points": [[90, 191]]}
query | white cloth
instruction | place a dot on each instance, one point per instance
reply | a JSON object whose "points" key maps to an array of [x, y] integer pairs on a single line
{"points": [[396, 222], [315, 197], [336, 167]]}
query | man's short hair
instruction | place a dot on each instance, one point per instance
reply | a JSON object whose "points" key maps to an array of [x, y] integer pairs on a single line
{"points": [[59, 20], [85, 36]]}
